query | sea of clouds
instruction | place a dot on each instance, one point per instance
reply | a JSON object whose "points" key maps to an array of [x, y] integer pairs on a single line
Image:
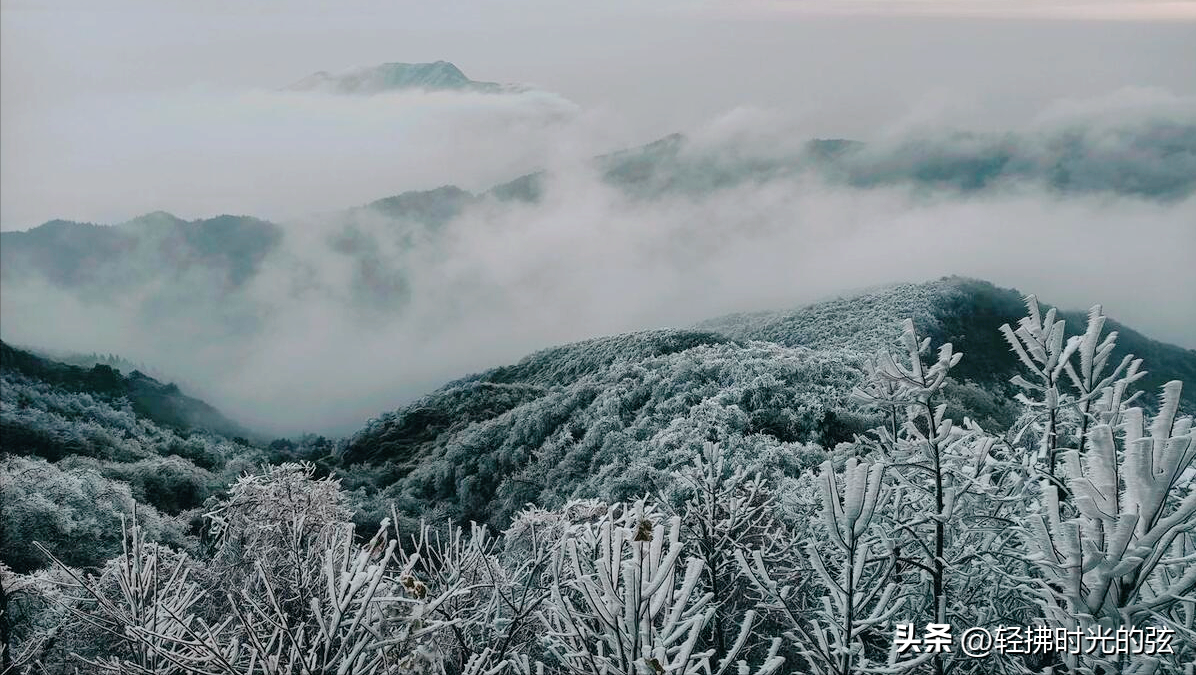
{"points": [[297, 348]]}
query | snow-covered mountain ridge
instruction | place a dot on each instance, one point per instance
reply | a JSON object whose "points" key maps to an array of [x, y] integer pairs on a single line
{"points": [[435, 76]]}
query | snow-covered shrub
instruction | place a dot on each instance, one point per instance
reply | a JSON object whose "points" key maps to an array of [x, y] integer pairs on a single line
{"points": [[624, 601], [727, 511], [842, 626], [1122, 551], [366, 612], [275, 526], [75, 514], [31, 619]]}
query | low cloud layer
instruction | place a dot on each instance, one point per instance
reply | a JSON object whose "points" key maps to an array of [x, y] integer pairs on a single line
{"points": [[199, 152], [356, 312]]}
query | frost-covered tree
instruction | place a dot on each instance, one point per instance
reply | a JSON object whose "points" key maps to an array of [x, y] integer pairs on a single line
{"points": [[1124, 556], [275, 526], [134, 604], [368, 615], [922, 457], [842, 627], [494, 590], [75, 513], [622, 601], [31, 618], [727, 510], [1039, 343]]}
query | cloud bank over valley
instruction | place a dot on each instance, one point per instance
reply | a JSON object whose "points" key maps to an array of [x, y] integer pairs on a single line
{"points": [[318, 321], [243, 199]]}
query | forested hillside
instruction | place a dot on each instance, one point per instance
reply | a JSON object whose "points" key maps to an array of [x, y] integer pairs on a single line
{"points": [[674, 501], [968, 313], [99, 260], [612, 433], [162, 404], [609, 417], [80, 447]]}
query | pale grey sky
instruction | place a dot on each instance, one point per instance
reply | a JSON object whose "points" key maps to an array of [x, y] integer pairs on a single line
{"points": [[90, 88]]}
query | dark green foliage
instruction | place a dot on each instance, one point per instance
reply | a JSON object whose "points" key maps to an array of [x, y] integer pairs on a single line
{"points": [[956, 164], [987, 405], [842, 426], [200, 450], [235, 244], [322, 453], [970, 315], [39, 442], [65, 252], [398, 436], [100, 379], [527, 188], [170, 484], [162, 403]]}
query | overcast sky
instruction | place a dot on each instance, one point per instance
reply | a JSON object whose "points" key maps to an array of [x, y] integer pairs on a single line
{"points": [[82, 81]]}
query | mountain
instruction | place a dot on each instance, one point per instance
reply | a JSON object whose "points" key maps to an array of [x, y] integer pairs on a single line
{"points": [[436, 76], [1153, 160], [100, 259], [427, 207], [1149, 160], [83, 450], [609, 417], [968, 313], [604, 417], [162, 404]]}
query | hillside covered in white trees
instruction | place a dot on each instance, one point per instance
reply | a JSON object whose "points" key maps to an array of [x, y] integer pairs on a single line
{"points": [[767, 493]]}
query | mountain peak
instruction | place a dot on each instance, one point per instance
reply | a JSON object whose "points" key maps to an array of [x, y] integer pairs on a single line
{"points": [[156, 219], [394, 76]]}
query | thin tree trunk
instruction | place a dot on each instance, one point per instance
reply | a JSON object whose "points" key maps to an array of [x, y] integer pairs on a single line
{"points": [[940, 534]]}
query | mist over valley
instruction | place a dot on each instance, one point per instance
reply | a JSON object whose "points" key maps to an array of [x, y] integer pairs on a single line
{"points": [[317, 322]]}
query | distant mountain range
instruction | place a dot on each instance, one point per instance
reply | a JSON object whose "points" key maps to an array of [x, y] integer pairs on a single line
{"points": [[436, 76], [1154, 161], [96, 259]]}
